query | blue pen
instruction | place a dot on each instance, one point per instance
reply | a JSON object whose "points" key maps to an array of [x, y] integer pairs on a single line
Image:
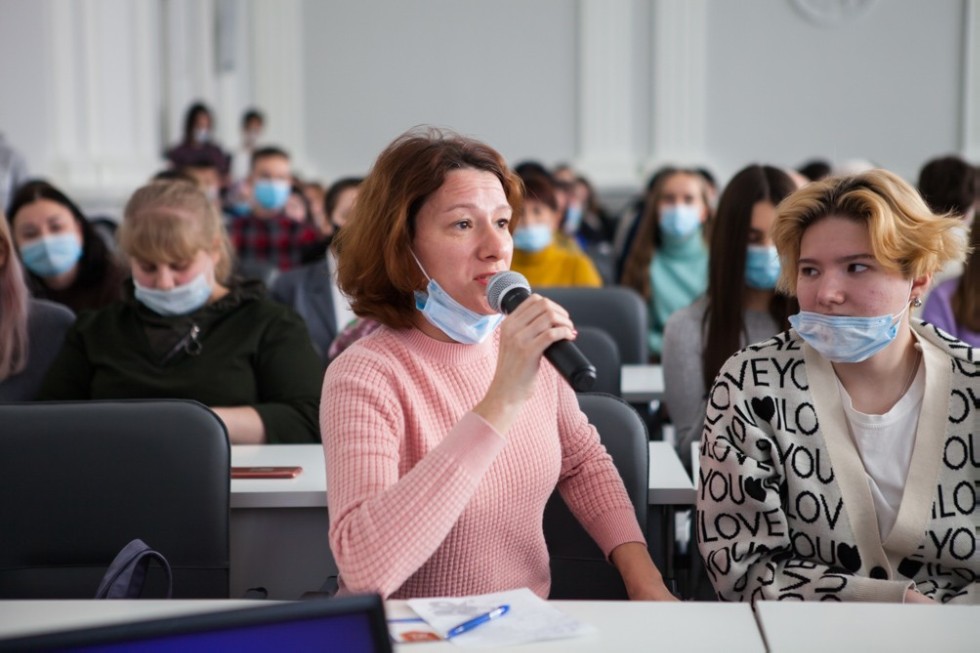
{"points": [[467, 626]]}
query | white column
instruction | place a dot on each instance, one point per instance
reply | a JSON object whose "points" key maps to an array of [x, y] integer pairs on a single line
{"points": [[679, 115], [189, 61], [277, 46], [103, 85], [607, 143], [971, 83]]}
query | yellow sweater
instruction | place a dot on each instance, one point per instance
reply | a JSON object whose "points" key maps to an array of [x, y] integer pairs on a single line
{"points": [[556, 266]]}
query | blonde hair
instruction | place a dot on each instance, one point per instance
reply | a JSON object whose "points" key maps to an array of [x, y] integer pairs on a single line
{"points": [[906, 236], [172, 220], [13, 307]]}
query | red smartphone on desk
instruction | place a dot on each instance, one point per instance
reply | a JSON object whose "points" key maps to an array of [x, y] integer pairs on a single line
{"points": [[266, 472]]}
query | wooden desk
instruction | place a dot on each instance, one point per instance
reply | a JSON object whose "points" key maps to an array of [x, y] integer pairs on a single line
{"points": [[621, 626], [642, 384], [821, 627]]}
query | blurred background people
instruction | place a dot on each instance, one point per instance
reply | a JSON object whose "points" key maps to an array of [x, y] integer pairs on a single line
{"points": [[67, 261], [252, 127], [198, 142], [954, 304], [31, 330], [668, 261], [537, 255], [741, 305], [186, 329]]}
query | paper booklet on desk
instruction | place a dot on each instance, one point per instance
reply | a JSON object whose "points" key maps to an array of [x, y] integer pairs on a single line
{"points": [[529, 618]]}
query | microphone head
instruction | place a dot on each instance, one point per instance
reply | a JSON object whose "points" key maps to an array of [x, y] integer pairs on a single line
{"points": [[501, 284]]}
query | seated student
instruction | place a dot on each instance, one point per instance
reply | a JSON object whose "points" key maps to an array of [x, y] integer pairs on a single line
{"points": [[312, 289], [537, 256], [740, 306], [268, 235], [444, 430], [31, 330], [187, 331], [954, 304], [668, 260], [197, 142], [835, 459], [67, 260], [949, 185]]}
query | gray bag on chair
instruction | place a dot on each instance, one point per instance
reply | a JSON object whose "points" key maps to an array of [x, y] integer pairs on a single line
{"points": [[126, 574]]}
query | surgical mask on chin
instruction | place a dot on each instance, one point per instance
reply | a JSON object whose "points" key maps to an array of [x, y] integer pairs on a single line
{"points": [[180, 300], [761, 267], [532, 238], [52, 255], [845, 339], [271, 194], [452, 318], [679, 221]]}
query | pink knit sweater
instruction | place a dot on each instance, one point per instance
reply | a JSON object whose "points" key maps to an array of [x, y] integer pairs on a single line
{"points": [[426, 498]]}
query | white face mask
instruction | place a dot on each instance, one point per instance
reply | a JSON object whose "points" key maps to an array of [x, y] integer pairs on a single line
{"points": [[180, 300]]}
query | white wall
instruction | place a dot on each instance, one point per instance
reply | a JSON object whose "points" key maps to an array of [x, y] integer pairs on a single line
{"points": [[92, 90]]}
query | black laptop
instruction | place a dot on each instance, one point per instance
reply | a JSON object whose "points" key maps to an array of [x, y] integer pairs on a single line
{"points": [[354, 624]]}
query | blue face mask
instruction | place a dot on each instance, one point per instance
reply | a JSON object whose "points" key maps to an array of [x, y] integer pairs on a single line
{"points": [[51, 255], [573, 220], [180, 300], [761, 267], [845, 339], [239, 209], [532, 238], [271, 194], [452, 318], [679, 221]]}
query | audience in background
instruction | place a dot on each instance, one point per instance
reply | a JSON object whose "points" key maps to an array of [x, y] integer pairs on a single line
{"points": [[740, 306], [208, 179], [267, 236], [186, 330], [198, 142], [668, 262], [954, 304], [31, 330], [13, 172], [536, 254], [312, 289], [446, 416], [252, 126], [815, 169], [67, 261], [844, 438]]}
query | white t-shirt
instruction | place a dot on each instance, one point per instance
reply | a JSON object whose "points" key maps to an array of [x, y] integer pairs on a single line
{"points": [[885, 444]]}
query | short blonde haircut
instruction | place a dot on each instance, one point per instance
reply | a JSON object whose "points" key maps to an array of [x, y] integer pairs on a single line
{"points": [[172, 220], [905, 235]]}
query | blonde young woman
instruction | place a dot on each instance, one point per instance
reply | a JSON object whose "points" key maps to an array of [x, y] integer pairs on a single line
{"points": [[187, 330], [31, 330], [839, 458]]}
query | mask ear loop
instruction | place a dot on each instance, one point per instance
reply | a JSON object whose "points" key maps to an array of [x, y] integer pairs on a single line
{"points": [[430, 278]]}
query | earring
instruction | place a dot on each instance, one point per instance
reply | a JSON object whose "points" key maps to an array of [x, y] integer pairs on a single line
{"points": [[916, 302]]}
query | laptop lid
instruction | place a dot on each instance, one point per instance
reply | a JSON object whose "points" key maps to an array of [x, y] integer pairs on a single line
{"points": [[354, 624]]}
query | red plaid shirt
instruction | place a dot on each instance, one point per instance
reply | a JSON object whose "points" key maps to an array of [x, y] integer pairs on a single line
{"points": [[277, 240]]}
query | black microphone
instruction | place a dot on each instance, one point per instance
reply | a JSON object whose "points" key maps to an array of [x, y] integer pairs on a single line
{"points": [[505, 292]]}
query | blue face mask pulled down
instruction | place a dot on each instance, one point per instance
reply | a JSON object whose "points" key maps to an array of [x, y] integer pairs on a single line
{"points": [[452, 318], [180, 300], [51, 255], [679, 221], [271, 194], [533, 238], [846, 339], [762, 267]]}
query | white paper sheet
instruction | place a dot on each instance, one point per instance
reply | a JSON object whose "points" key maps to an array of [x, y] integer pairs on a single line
{"points": [[529, 619]]}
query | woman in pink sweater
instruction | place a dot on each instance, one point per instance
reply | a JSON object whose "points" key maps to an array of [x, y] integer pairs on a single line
{"points": [[445, 435]]}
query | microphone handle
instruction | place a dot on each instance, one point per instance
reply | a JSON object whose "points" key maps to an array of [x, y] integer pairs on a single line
{"points": [[568, 359]]}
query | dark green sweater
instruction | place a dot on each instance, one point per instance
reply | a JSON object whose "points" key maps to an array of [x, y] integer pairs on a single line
{"points": [[250, 351]]}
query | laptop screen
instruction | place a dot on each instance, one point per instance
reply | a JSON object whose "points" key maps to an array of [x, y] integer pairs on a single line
{"points": [[351, 624]]}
